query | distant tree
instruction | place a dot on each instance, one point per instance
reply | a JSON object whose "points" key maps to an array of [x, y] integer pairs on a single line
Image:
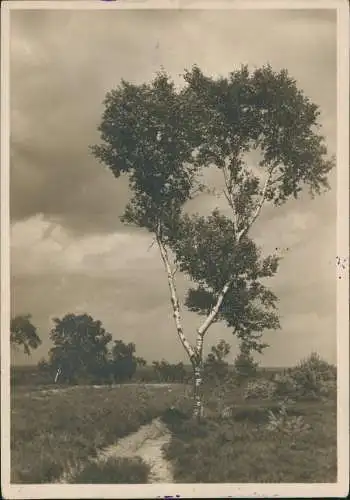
{"points": [[44, 365], [168, 372], [23, 333], [123, 362], [80, 347], [215, 366], [244, 365], [164, 138], [140, 361]]}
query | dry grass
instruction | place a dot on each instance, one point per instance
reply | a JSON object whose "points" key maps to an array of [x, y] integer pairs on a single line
{"points": [[51, 432], [239, 449]]}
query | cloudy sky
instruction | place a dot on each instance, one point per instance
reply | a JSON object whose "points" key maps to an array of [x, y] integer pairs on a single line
{"points": [[70, 252]]}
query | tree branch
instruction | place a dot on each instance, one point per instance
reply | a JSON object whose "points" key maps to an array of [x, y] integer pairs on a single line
{"points": [[229, 196], [174, 299], [151, 245], [259, 205], [214, 312]]}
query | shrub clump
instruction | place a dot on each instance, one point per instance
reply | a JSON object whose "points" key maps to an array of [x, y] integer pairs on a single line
{"points": [[259, 389], [280, 422], [312, 378], [114, 471]]}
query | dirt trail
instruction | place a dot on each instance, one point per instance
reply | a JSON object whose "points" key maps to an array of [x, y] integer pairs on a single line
{"points": [[147, 444]]}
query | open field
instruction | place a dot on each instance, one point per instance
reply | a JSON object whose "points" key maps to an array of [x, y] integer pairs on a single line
{"points": [[31, 376], [53, 430], [239, 449]]}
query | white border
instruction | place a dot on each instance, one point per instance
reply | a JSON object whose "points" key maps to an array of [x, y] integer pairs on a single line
{"points": [[339, 489]]}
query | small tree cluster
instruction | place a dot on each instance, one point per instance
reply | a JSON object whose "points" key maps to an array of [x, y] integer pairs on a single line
{"points": [[216, 368], [245, 367], [82, 352], [311, 378], [167, 372]]}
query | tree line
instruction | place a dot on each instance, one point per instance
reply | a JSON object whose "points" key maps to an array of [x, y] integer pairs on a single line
{"points": [[83, 351]]}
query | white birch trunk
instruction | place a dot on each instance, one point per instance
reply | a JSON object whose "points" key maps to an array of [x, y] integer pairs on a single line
{"points": [[198, 378]]}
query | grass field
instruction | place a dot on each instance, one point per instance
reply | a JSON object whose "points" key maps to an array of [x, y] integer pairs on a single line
{"points": [[53, 430], [239, 449]]}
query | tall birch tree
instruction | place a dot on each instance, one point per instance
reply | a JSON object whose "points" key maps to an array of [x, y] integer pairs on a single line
{"points": [[164, 138]]}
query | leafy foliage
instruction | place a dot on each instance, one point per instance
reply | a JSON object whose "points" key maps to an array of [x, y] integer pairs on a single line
{"points": [[259, 110], [215, 366], [80, 346], [23, 333], [148, 133], [244, 365], [311, 378], [208, 252], [123, 363]]}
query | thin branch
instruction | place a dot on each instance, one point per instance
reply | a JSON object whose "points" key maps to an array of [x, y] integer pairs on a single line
{"points": [[229, 196], [259, 205], [151, 244], [215, 310], [175, 270]]}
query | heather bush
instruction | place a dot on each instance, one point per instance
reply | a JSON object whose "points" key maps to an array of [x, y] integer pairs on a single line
{"points": [[311, 378], [259, 389], [114, 471], [281, 424], [285, 385]]}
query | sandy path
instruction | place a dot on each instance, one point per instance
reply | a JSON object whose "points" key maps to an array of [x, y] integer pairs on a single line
{"points": [[61, 390], [147, 444]]}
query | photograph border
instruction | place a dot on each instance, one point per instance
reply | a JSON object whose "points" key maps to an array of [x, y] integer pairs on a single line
{"points": [[341, 272]]}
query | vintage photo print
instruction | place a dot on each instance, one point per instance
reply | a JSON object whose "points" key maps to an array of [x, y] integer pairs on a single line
{"points": [[174, 251]]}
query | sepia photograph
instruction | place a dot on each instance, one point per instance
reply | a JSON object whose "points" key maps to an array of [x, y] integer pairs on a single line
{"points": [[174, 251]]}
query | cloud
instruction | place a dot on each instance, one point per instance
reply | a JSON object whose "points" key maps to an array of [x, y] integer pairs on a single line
{"points": [[41, 247], [61, 72], [69, 250]]}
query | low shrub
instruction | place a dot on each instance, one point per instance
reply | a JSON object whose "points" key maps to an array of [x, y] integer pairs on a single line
{"points": [[114, 471], [312, 378], [282, 422], [259, 389]]}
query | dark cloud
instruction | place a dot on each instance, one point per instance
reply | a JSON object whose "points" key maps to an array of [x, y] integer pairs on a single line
{"points": [[77, 255], [61, 72]]}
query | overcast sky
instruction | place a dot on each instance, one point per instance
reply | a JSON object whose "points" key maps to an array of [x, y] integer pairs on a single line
{"points": [[70, 252]]}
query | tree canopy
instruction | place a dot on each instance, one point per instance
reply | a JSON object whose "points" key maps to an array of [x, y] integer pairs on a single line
{"points": [[23, 333], [80, 345]]}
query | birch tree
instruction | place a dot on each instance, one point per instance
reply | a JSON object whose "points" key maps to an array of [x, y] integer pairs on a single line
{"points": [[164, 138]]}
